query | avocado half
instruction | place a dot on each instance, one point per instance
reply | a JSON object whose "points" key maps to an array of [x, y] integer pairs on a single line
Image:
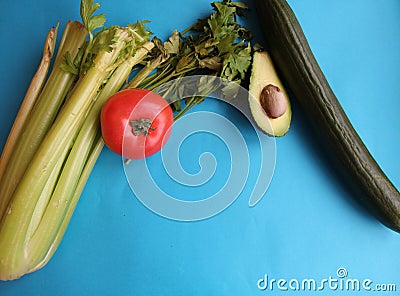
{"points": [[263, 73]]}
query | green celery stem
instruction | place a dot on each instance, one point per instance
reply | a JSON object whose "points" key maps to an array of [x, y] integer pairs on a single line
{"points": [[42, 115]]}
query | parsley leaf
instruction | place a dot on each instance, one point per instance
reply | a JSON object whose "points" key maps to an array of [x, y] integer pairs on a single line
{"points": [[173, 43], [216, 46]]}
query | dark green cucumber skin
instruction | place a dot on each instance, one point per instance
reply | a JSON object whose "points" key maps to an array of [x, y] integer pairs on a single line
{"points": [[298, 67]]}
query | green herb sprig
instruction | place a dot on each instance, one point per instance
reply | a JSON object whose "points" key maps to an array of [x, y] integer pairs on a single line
{"points": [[215, 45]]}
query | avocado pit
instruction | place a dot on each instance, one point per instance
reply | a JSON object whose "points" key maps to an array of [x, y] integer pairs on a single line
{"points": [[273, 101]]}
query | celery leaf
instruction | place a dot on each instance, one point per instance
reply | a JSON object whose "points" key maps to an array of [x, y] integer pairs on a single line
{"points": [[91, 22], [69, 65]]}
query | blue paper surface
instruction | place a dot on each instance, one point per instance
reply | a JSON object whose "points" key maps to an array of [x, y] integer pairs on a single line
{"points": [[305, 234]]}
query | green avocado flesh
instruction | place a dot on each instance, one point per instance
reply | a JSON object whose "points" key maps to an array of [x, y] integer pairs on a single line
{"points": [[262, 74]]}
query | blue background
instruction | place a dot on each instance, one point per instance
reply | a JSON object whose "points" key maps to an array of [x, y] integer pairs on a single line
{"points": [[307, 225]]}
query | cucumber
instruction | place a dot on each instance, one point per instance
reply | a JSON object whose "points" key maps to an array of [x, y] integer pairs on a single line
{"points": [[298, 67]]}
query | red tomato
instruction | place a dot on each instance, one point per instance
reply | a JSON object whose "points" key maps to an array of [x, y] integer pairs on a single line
{"points": [[136, 123]]}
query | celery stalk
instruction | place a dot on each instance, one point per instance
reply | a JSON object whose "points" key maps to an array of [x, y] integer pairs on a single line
{"points": [[33, 92], [47, 191], [91, 161], [145, 72], [37, 247], [42, 115]]}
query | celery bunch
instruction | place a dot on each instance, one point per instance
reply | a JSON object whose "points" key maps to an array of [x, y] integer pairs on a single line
{"points": [[56, 140]]}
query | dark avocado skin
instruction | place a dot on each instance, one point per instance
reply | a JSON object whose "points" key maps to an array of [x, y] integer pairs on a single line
{"points": [[299, 68]]}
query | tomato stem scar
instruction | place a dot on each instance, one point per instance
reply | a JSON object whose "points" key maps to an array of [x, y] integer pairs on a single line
{"points": [[141, 126]]}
